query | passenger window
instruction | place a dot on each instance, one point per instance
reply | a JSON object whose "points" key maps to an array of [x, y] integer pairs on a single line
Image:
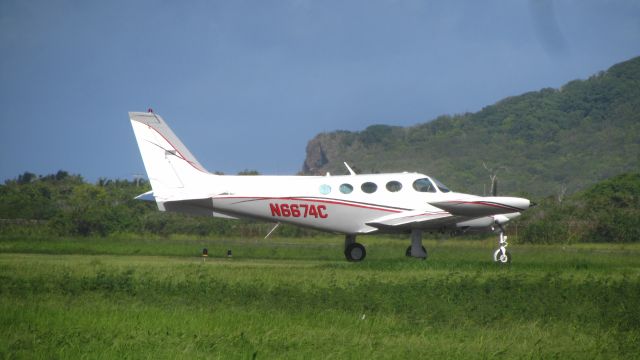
{"points": [[394, 186], [325, 189], [369, 187], [346, 188], [424, 185]]}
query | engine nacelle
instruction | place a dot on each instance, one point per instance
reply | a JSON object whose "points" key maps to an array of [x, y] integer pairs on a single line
{"points": [[482, 222], [487, 221]]}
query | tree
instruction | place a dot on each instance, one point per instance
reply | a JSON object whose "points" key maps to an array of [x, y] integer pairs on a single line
{"points": [[26, 178]]}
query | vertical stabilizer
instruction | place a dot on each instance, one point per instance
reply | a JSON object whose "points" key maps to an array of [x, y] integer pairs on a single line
{"points": [[171, 167]]}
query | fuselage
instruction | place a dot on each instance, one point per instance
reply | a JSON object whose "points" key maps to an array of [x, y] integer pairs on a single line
{"points": [[343, 204]]}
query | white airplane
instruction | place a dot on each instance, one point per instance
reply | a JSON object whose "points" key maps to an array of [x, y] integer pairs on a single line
{"points": [[348, 204]]}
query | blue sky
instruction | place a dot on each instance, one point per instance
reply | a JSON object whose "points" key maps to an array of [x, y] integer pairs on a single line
{"points": [[245, 84]]}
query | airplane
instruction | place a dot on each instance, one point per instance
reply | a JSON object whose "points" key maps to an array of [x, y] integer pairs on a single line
{"points": [[352, 205]]}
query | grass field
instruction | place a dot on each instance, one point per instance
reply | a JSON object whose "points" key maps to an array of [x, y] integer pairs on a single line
{"points": [[283, 298]]}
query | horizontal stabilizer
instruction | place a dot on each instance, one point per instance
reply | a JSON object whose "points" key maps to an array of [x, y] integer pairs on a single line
{"points": [[203, 207], [148, 196]]}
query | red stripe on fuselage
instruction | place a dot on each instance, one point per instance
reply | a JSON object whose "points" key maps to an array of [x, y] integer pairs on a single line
{"points": [[334, 202], [497, 205]]}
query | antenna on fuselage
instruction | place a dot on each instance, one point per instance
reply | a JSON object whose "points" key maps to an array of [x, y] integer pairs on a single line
{"points": [[349, 168]]}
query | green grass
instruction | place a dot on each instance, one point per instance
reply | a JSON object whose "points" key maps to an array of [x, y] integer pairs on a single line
{"points": [[283, 298]]}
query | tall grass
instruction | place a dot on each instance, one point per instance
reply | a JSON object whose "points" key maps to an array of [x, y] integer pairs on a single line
{"points": [[280, 302]]}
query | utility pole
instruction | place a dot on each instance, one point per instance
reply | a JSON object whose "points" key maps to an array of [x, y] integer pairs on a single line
{"points": [[136, 179]]}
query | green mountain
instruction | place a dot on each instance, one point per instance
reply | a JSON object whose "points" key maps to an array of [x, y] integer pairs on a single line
{"points": [[548, 142]]}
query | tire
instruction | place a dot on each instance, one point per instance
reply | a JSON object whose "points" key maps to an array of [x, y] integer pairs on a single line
{"points": [[355, 252], [408, 252], [498, 258]]}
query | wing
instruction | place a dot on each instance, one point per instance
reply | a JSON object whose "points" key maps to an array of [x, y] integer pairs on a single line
{"points": [[415, 219]]}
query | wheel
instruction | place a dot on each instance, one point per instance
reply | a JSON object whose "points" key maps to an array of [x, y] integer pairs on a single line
{"points": [[502, 258], [408, 252], [355, 252]]}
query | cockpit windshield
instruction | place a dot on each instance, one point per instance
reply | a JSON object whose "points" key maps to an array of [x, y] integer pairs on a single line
{"points": [[442, 187], [427, 185]]}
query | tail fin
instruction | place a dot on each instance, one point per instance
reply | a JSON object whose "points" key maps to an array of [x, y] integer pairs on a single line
{"points": [[170, 166]]}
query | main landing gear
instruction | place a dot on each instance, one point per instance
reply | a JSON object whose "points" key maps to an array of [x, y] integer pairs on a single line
{"points": [[353, 251], [501, 255], [416, 249]]}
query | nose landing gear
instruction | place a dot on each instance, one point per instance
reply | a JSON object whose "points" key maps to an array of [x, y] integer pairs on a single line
{"points": [[501, 255]]}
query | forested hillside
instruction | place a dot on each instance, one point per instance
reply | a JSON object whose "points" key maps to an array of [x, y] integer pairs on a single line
{"points": [[547, 142]]}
